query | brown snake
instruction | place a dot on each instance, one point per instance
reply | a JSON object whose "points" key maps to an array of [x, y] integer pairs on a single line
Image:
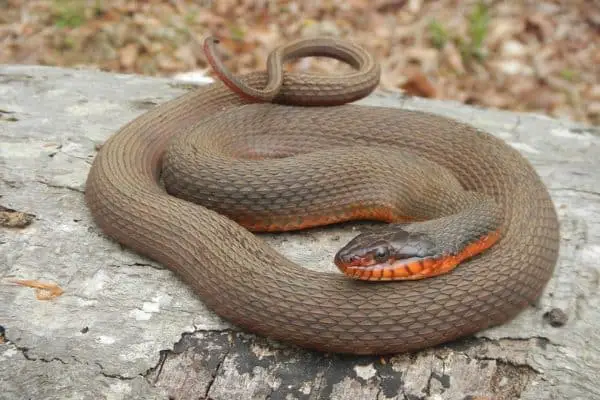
{"points": [[247, 282]]}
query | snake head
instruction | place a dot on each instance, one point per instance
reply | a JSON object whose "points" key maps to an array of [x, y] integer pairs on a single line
{"points": [[380, 253]]}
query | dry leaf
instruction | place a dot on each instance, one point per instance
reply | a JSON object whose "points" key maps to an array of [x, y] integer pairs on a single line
{"points": [[128, 55], [418, 84], [43, 290], [539, 26]]}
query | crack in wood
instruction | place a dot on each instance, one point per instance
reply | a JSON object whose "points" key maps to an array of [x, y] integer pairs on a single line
{"points": [[215, 374]]}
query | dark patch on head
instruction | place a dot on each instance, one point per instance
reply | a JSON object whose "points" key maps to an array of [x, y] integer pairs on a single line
{"points": [[383, 243]]}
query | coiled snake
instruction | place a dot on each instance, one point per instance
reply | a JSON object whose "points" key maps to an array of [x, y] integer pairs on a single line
{"points": [[285, 166]]}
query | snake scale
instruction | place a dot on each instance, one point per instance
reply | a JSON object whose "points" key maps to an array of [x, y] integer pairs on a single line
{"points": [[330, 156]]}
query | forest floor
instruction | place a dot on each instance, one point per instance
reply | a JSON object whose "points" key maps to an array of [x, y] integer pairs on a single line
{"points": [[539, 56]]}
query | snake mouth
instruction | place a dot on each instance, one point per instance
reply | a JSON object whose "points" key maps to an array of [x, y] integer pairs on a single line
{"points": [[368, 268], [393, 269]]}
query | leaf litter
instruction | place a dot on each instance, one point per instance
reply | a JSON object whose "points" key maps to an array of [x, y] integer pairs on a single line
{"points": [[536, 56]]}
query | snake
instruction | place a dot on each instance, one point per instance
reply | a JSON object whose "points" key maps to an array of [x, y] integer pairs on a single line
{"points": [[467, 233]]}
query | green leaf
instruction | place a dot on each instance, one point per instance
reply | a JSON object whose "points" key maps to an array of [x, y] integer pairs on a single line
{"points": [[438, 34]]}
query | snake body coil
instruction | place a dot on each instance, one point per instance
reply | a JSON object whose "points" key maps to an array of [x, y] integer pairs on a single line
{"points": [[247, 282]]}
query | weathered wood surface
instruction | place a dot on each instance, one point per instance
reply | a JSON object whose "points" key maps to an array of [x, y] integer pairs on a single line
{"points": [[128, 328]]}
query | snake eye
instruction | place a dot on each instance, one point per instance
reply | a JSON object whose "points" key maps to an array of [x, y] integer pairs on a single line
{"points": [[381, 254]]}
